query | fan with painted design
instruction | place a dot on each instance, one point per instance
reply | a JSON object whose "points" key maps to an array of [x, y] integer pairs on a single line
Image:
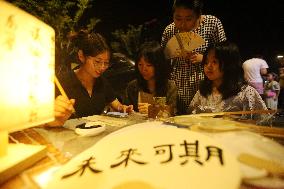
{"points": [[182, 43]]}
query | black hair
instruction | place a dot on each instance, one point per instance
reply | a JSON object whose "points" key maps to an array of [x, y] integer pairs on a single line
{"points": [[230, 64], [91, 44], [195, 5], [274, 75], [153, 53]]}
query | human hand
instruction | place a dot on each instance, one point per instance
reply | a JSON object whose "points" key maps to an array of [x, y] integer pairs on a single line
{"points": [[63, 109], [275, 98], [193, 57], [143, 108], [126, 109]]}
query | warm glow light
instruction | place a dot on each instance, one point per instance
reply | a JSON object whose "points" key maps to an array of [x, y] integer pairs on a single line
{"points": [[27, 49], [26, 69], [45, 177], [279, 56]]}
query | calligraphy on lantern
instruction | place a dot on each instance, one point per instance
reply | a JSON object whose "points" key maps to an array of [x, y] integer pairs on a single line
{"points": [[188, 153]]}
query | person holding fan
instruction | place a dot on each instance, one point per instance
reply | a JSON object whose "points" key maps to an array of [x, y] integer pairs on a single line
{"points": [[187, 70]]}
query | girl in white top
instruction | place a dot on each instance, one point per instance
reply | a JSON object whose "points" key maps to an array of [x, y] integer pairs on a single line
{"points": [[224, 88], [271, 91]]}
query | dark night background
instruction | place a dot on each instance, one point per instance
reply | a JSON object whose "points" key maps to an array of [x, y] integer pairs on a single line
{"points": [[256, 26]]}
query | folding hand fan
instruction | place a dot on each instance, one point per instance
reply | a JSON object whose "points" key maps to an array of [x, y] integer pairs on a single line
{"points": [[181, 43]]}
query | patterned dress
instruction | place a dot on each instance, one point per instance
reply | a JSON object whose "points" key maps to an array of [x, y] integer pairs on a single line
{"points": [[270, 91], [185, 74], [247, 99]]}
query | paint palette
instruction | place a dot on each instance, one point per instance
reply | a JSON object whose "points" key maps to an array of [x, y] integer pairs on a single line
{"points": [[90, 128]]}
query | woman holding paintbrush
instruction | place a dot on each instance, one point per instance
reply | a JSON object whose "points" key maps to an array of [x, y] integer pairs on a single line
{"points": [[84, 89]]}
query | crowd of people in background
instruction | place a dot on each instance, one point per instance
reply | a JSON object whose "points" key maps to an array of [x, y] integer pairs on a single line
{"points": [[211, 78], [265, 82]]}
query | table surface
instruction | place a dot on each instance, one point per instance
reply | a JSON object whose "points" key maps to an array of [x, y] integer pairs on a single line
{"points": [[63, 144]]}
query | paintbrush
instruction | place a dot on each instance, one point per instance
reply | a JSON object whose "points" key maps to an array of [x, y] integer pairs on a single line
{"points": [[59, 86]]}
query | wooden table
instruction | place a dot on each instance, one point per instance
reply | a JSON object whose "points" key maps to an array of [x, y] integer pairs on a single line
{"points": [[54, 158]]}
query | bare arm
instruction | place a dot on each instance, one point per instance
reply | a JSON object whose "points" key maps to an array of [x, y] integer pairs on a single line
{"points": [[116, 105]]}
